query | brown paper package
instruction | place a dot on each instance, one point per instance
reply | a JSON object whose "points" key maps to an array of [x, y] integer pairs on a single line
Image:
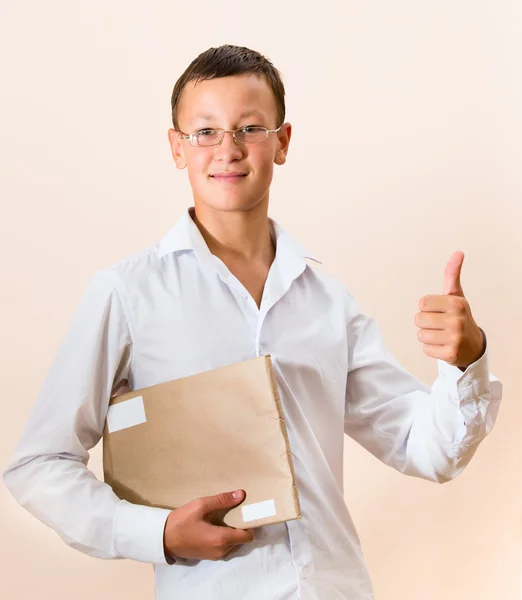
{"points": [[208, 433]]}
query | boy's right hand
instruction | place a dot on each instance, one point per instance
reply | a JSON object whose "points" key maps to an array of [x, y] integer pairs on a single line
{"points": [[188, 533]]}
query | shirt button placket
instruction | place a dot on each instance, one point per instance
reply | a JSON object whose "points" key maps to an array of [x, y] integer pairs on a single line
{"points": [[250, 312]]}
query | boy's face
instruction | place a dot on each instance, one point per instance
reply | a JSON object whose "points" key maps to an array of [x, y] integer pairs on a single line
{"points": [[229, 103]]}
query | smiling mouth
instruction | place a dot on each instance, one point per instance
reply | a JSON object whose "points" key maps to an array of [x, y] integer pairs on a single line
{"points": [[229, 178], [227, 175]]}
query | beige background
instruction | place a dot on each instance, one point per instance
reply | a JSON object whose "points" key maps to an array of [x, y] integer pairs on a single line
{"points": [[407, 145]]}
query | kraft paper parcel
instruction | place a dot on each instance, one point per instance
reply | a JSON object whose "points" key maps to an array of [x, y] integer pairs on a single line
{"points": [[212, 432]]}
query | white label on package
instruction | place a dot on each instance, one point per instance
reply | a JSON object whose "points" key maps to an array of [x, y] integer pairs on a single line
{"points": [[259, 510], [126, 414]]}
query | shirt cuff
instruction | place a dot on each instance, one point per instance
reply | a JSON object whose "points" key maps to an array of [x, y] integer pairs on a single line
{"points": [[475, 372], [139, 532], [471, 390]]}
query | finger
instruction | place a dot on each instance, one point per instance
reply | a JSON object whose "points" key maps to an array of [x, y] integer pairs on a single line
{"points": [[441, 352], [224, 501], [427, 320], [452, 285], [437, 303], [231, 549], [234, 536], [434, 337]]}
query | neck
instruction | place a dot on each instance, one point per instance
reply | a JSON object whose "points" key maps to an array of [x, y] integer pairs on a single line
{"points": [[236, 235]]}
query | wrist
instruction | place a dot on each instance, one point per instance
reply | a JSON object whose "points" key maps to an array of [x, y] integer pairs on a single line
{"points": [[169, 557]]}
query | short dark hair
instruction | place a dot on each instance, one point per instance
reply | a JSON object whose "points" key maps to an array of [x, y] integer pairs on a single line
{"points": [[230, 60]]}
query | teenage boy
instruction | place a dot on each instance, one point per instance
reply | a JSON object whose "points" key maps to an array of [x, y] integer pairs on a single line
{"points": [[226, 284]]}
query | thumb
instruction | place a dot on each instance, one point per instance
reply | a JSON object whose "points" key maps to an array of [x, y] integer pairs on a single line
{"points": [[222, 501], [452, 285]]}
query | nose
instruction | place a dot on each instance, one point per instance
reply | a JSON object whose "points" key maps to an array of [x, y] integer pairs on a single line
{"points": [[229, 149]]}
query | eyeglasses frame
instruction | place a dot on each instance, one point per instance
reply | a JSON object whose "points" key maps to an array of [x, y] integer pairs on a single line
{"points": [[190, 136]]}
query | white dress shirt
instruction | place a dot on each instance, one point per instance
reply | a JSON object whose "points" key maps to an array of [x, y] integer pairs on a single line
{"points": [[173, 310]]}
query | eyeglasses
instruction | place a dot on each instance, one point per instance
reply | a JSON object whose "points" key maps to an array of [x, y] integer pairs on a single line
{"points": [[213, 137]]}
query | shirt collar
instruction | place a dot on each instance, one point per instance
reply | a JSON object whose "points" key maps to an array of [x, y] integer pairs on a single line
{"points": [[185, 235]]}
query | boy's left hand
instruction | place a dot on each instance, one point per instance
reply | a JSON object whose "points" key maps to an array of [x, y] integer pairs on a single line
{"points": [[448, 330]]}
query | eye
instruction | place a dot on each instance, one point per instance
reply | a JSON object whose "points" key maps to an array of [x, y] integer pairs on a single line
{"points": [[251, 128], [205, 132]]}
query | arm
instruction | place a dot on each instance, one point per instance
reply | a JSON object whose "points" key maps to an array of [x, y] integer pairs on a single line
{"points": [[424, 432], [48, 473]]}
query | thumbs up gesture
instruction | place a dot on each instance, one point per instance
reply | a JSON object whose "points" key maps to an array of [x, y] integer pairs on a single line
{"points": [[447, 328]]}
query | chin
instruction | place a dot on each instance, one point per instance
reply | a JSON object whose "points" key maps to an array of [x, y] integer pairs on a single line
{"points": [[230, 203]]}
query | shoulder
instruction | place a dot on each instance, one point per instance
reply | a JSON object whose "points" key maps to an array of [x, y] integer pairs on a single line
{"points": [[134, 269], [321, 277], [127, 273], [334, 287]]}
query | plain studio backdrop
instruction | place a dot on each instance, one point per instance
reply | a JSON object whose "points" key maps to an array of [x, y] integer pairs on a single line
{"points": [[407, 146]]}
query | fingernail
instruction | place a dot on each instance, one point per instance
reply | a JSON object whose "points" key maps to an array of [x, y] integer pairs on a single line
{"points": [[236, 494]]}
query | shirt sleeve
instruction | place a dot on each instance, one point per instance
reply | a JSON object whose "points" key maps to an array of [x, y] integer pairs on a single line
{"points": [[431, 433], [48, 473]]}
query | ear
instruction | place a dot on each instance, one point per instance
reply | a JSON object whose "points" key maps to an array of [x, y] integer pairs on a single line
{"points": [[284, 136], [176, 148]]}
